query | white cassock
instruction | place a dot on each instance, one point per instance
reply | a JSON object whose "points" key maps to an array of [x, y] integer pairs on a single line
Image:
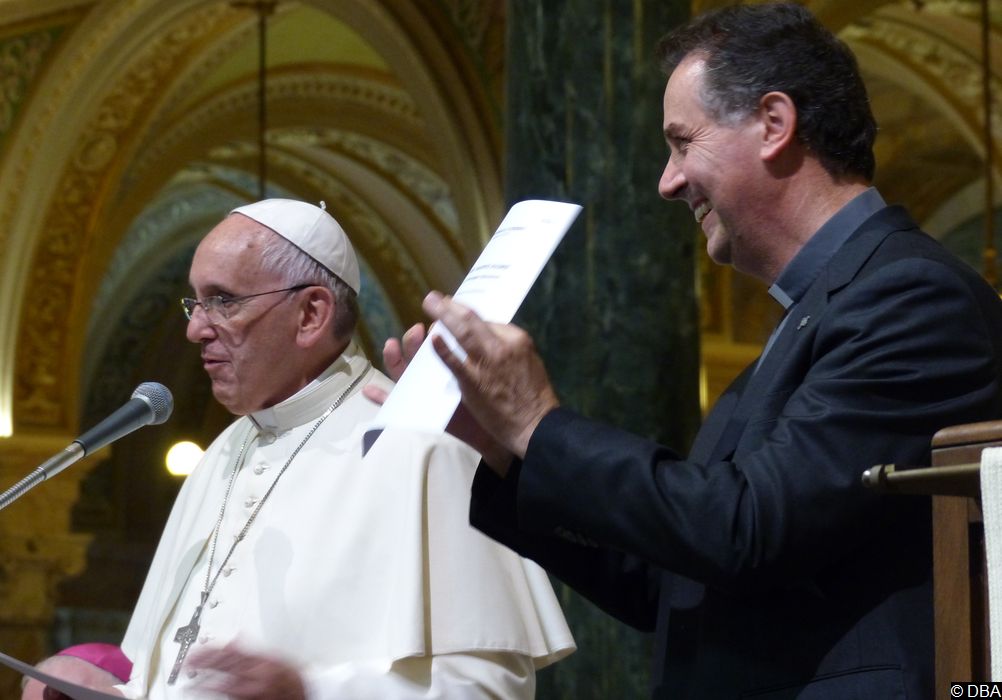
{"points": [[363, 572]]}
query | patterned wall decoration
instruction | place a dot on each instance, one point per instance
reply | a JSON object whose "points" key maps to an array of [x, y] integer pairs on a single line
{"points": [[42, 349], [480, 25], [953, 69], [349, 92], [413, 177], [20, 59]]}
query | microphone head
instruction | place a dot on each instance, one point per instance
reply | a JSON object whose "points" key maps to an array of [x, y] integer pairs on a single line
{"points": [[159, 399]]}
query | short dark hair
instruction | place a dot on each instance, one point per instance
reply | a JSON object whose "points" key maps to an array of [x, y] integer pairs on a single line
{"points": [[750, 50]]}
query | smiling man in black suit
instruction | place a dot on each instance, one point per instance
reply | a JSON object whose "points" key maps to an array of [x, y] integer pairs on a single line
{"points": [[764, 567]]}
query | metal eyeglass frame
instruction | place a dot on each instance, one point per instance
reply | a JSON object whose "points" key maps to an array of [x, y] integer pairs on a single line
{"points": [[223, 305]]}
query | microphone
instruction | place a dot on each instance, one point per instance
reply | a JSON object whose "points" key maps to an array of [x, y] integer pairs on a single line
{"points": [[151, 404]]}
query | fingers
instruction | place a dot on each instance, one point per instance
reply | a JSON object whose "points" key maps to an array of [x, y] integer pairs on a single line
{"points": [[375, 394], [397, 354], [471, 332], [221, 659], [459, 367], [433, 304], [247, 676], [393, 358], [413, 337]]}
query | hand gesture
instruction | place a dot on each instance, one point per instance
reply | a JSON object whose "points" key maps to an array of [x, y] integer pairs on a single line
{"points": [[504, 384], [235, 673]]}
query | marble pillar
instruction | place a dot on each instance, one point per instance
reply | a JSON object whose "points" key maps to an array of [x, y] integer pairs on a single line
{"points": [[614, 313]]}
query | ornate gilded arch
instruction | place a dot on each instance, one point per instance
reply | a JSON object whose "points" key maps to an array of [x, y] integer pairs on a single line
{"points": [[116, 124]]}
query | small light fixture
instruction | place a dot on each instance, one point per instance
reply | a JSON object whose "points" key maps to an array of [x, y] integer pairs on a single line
{"points": [[182, 458]]}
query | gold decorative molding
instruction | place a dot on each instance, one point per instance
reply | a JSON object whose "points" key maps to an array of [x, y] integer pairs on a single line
{"points": [[398, 274], [350, 91], [950, 68], [69, 78], [413, 177], [225, 41], [43, 372], [480, 25], [21, 204], [474, 19], [971, 9], [449, 90], [20, 59]]}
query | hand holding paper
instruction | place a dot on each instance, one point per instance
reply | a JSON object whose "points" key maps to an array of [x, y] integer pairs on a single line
{"points": [[503, 381], [427, 394], [397, 355]]}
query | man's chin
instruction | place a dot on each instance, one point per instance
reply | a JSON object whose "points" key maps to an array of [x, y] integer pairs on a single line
{"points": [[718, 251], [226, 398]]}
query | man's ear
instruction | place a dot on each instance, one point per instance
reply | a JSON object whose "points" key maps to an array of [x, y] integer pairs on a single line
{"points": [[778, 117], [316, 315]]}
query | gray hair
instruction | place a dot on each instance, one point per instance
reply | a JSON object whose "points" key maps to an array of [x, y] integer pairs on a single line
{"points": [[282, 258]]}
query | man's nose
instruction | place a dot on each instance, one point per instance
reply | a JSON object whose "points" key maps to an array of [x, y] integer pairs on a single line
{"points": [[199, 328], [672, 181]]}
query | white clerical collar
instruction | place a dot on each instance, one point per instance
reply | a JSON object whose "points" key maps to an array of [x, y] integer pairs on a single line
{"points": [[312, 400]]}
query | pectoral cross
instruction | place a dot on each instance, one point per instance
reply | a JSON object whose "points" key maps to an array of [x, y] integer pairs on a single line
{"points": [[186, 636]]}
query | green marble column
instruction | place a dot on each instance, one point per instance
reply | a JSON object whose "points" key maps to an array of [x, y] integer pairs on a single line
{"points": [[614, 313]]}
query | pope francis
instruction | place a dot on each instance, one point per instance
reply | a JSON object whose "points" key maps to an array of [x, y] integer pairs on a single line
{"points": [[291, 565]]}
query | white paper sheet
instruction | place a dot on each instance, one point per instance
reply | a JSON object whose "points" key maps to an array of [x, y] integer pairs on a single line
{"points": [[991, 510], [427, 394], [77, 692]]}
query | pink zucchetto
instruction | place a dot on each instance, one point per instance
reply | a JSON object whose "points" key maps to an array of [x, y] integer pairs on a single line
{"points": [[107, 657]]}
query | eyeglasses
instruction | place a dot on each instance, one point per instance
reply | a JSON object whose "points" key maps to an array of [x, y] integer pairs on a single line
{"points": [[221, 307]]}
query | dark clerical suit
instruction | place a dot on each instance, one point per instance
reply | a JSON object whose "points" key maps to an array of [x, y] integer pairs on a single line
{"points": [[808, 585]]}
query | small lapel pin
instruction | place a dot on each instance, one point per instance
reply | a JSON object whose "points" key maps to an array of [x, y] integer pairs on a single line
{"points": [[803, 322]]}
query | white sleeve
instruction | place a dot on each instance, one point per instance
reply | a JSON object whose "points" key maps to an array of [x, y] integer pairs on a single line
{"points": [[470, 676], [129, 689]]}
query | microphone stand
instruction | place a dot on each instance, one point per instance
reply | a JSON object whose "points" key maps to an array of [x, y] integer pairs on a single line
{"points": [[150, 404], [50, 467]]}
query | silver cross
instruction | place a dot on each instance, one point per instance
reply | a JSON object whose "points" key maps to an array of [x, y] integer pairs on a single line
{"points": [[186, 636]]}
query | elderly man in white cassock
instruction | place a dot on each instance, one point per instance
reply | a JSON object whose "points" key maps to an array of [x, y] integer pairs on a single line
{"points": [[291, 565]]}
